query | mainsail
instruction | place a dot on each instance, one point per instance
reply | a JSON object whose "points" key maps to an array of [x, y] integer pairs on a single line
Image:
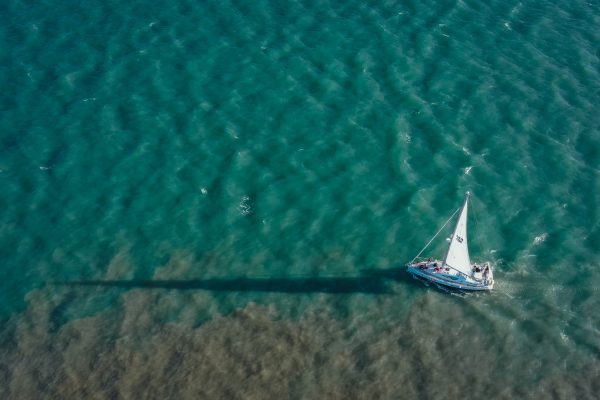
{"points": [[458, 251]]}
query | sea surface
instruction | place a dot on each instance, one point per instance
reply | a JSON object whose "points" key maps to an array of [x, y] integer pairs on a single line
{"points": [[216, 199]]}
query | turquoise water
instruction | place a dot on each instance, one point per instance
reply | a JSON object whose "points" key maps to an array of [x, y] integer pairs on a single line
{"points": [[215, 199]]}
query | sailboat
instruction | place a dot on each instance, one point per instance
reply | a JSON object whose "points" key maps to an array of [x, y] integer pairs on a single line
{"points": [[455, 270]]}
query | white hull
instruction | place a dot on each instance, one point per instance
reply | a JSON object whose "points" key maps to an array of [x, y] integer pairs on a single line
{"points": [[450, 277]]}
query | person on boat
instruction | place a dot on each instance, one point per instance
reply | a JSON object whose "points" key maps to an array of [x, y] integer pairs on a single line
{"points": [[436, 268], [486, 272], [476, 268]]}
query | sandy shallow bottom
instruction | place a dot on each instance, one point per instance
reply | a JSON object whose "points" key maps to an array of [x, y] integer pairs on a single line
{"points": [[253, 353]]}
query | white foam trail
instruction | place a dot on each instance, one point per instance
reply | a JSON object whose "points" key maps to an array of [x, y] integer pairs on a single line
{"points": [[540, 239]]}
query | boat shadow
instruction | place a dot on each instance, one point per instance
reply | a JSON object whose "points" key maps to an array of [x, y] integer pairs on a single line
{"points": [[368, 284], [371, 281], [397, 274]]}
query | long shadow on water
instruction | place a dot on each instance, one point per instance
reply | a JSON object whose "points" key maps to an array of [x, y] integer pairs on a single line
{"points": [[372, 282]]}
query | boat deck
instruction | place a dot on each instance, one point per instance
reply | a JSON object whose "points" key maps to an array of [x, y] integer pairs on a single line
{"points": [[433, 272]]}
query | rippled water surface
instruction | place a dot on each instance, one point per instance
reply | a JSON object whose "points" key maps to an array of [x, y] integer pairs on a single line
{"points": [[216, 199]]}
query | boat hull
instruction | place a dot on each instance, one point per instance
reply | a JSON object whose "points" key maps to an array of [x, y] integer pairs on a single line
{"points": [[449, 278]]}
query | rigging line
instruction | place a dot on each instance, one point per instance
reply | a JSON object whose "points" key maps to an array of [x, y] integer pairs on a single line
{"points": [[434, 236]]}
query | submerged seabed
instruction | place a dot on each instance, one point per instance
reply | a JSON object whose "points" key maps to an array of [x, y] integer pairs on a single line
{"points": [[443, 348], [215, 199]]}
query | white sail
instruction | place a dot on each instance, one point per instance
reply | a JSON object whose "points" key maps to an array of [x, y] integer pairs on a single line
{"points": [[458, 251]]}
